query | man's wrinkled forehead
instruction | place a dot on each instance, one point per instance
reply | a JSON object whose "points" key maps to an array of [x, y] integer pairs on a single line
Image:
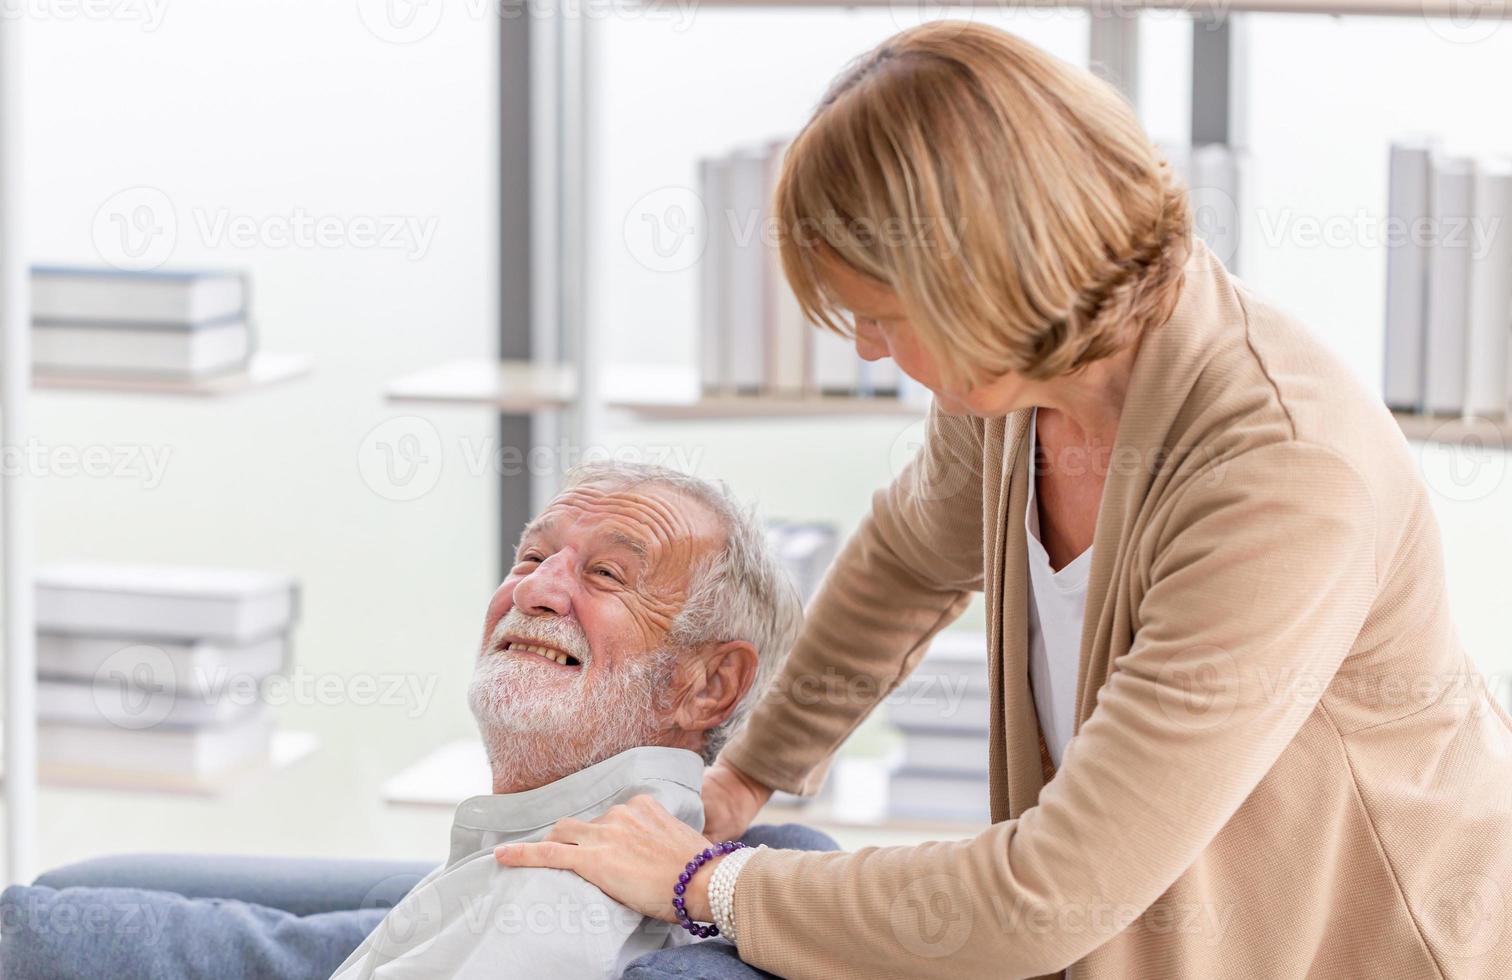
{"points": [[652, 523]]}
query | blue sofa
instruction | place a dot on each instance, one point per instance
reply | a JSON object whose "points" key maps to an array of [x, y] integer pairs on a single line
{"points": [[185, 917]]}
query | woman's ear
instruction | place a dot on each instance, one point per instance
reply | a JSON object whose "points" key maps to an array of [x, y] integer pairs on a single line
{"points": [[718, 676]]}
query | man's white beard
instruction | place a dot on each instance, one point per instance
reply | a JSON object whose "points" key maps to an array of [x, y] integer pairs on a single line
{"points": [[538, 732]]}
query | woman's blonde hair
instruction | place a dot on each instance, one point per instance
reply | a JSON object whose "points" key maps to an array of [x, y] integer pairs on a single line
{"points": [[1011, 200]]}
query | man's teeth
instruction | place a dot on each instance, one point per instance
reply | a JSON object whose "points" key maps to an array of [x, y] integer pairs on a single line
{"points": [[546, 652]]}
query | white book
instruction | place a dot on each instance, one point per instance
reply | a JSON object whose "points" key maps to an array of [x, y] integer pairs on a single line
{"points": [[191, 667], [713, 350], [928, 795], [1450, 197], [1487, 368], [787, 328], [943, 705], [881, 379], [1217, 178], [806, 552], [152, 350], [69, 294], [745, 284], [233, 605], [1408, 212], [73, 749], [834, 366], [113, 701], [946, 751]]}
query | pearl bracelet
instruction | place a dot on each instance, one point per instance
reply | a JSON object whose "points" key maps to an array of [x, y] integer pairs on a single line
{"points": [[722, 890]]}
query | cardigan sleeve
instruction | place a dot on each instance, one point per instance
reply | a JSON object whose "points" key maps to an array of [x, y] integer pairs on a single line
{"points": [[907, 572], [1258, 585]]}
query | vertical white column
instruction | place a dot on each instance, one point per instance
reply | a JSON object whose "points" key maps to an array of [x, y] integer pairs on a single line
{"points": [[1113, 46], [15, 519]]}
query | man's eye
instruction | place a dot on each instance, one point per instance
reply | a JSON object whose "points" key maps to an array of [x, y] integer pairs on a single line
{"points": [[530, 557], [607, 573]]}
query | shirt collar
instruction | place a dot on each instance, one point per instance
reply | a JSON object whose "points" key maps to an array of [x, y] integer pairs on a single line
{"points": [[673, 776]]}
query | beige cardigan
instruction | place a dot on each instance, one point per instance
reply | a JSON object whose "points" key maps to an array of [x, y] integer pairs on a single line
{"points": [[1284, 767]]}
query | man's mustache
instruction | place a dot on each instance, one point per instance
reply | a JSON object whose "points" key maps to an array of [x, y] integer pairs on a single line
{"points": [[554, 631]]}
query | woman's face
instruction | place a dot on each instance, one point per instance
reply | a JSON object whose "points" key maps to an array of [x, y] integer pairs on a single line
{"points": [[883, 330]]}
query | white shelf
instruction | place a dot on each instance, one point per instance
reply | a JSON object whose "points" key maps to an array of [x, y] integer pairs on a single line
{"points": [[1371, 8], [651, 391], [1491, 433], [507, 386], [264, 370], [459, 770], [288, 748]]}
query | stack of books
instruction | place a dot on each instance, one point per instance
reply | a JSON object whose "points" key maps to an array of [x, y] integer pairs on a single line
{"points": [[754, 339], [170, 325], [942, 710], [806, 551], [1448, 282], [154, 675], [1218, 180]]}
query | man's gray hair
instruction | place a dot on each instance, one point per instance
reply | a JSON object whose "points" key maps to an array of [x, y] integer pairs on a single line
{"points": [[740, 592]]}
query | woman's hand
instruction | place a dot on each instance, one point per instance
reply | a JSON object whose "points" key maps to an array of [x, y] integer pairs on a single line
{"points": [[633, 853], [731, 801]]}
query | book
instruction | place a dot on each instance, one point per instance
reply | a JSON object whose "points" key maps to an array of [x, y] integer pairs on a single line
{"points": [[928, 750], [113, 700], [929, 795], [141, 349], [71, 749], [1450, 199], [833, 364], [191, 667], [941, 705], [1407, 213], [786, 327], [1487, 346], [230, 605], [747, 255], [713, 350], [806, 552], [71, 294]]}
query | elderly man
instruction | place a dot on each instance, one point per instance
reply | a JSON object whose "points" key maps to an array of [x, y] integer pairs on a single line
{"points": [[642, 619]]}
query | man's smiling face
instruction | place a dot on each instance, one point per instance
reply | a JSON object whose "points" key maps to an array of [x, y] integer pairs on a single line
{"points": [[613, 567], [574, 641]]}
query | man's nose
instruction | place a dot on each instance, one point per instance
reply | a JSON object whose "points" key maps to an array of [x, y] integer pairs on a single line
{"points": [[546, 591]]}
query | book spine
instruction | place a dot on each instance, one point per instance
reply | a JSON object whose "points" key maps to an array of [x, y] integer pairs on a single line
{"points": [[1490, 321], [1448, 285], [744, 288], [1406, 275], [712, 354]]}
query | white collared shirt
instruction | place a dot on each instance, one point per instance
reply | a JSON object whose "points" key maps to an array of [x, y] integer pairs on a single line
{"points": [[476, 918]]}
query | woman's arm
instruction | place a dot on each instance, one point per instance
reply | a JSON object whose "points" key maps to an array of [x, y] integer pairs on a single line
{"points": [[907, 572], [1259, 585]]}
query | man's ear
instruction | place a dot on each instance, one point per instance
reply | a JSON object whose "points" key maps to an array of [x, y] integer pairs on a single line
{"points": [[716, 678]]}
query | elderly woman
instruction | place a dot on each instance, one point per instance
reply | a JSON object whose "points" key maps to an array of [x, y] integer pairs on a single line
{"points": [[1233, 732]]}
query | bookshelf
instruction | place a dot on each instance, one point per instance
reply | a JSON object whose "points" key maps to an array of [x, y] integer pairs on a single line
{"points": [[1456, 430], [288, 748], [1363, 8], [264, 370], [652, 392]]}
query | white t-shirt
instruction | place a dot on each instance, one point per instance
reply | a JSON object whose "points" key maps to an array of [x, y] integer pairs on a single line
{"points": [[1057, 606]]}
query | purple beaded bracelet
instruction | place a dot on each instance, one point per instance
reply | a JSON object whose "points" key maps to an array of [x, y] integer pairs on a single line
{"points": [[699, 860]]}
